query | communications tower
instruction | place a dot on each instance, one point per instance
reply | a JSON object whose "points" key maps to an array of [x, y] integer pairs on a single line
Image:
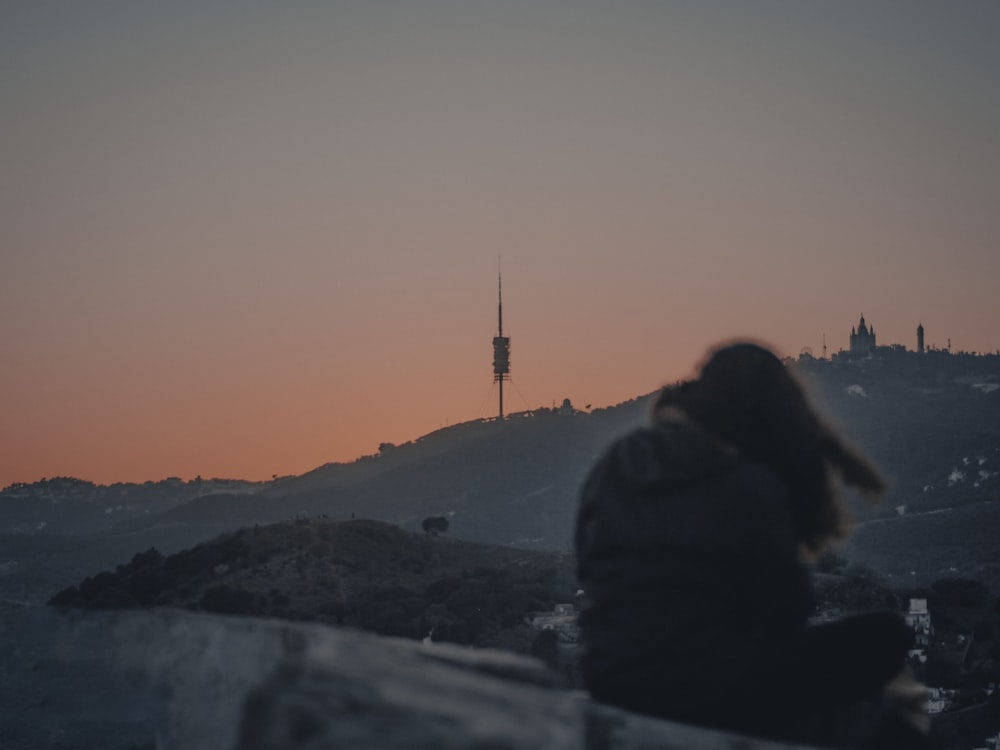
{"points": [[501, 345]]}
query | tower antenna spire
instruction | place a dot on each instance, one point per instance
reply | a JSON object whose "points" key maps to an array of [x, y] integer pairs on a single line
{"points": [[499, 298], [501, 343]]}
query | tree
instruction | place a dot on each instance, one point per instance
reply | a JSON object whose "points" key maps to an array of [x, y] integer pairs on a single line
{"points": [[831, 563], [228, 601], [962, 592], [546, 646], [435, 525]]}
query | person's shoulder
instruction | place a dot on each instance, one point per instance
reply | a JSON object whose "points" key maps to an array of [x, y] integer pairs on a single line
{"points": [[669, 453]]}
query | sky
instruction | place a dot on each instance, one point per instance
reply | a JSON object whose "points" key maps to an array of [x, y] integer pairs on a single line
{"points": [[247, 239]]}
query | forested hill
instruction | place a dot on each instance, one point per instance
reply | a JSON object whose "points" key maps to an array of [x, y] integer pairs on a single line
{"points": [[504, 482], [932, 422], [363, 574]]}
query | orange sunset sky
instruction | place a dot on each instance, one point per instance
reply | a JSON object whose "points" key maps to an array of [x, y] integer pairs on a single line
{"points": [[245, 239]]}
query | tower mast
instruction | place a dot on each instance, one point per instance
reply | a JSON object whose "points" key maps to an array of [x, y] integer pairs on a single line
{"points": [[501, 343], [499, 302]]}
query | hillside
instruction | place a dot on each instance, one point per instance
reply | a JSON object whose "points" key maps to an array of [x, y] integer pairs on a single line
{"points": [[932, 425], [931, 422], [502, 482], [363, 574], [372, 576], [66, 505]]}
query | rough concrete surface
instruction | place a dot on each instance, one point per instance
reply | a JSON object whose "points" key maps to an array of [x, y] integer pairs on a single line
{"points": [[175, 680]]}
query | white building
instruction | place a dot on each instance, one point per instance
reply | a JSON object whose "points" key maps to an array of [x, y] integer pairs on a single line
{"points": [[919, 618]]}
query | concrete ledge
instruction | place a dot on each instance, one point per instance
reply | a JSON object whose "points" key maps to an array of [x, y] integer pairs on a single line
{"points": [[176, 680], [311, 687]]}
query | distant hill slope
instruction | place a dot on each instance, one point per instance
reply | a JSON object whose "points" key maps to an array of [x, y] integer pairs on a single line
{"points": [[931, 422], [501, 479], [503, 482], [365, 574], [917, 548], [65, 505]]}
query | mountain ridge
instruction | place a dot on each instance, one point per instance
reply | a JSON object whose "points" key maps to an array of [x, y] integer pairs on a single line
{"points": [[931, 422]]}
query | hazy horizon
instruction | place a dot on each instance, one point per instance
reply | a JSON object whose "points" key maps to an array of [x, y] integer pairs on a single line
{"points": [[247, 240]]}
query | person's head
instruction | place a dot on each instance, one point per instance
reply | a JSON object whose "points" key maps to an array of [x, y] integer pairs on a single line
{"points": [[748, 398]]}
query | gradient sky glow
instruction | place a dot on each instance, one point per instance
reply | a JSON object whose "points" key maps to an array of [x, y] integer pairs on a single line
{"points": [[247, 239]]}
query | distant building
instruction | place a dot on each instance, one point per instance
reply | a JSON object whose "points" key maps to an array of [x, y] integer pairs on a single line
{"points": [[562, 619], [862, 338], [920, 338], [917, 656], [919, 618], [940, 700]]}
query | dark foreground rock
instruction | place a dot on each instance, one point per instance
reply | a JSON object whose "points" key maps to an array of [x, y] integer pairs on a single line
{"points": [[177, 680]]}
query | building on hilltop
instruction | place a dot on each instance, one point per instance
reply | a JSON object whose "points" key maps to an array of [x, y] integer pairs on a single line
{"points": [[865, 352], [562, 619], [919, 619], [862, 338]]}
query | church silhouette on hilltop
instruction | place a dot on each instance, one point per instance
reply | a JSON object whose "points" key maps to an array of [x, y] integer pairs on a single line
{"points": [[862, 338]]}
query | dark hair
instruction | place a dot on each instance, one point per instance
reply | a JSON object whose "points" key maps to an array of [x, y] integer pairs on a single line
{"points": [[748, 398]]}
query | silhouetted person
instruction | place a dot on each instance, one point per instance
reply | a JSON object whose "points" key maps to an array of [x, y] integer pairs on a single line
{"points": [[691, 540]]}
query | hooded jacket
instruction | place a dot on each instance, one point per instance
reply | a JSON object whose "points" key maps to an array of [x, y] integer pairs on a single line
{"points": [[696, 602]]}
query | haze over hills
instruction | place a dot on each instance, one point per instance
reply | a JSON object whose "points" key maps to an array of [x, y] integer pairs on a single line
{"points": [[931, 422]]}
